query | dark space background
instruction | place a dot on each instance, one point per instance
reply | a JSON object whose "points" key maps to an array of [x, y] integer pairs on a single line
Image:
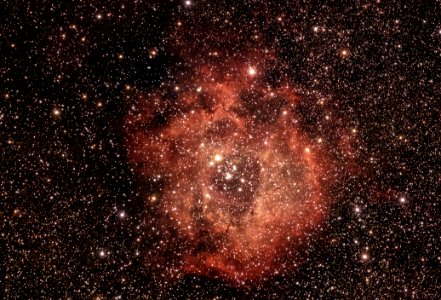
{"points": [[72, 214]]}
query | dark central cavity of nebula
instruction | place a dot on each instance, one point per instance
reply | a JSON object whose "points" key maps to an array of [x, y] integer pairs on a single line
{"points": [[237, 185]]}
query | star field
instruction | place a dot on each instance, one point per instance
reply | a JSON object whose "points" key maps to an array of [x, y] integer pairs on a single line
{"points": [[221, 150]]}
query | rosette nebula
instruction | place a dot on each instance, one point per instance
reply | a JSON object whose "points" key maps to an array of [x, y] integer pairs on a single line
{"points": [[235, 185]]}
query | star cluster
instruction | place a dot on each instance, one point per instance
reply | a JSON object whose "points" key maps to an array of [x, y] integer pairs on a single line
{"points": [[220, 149]]}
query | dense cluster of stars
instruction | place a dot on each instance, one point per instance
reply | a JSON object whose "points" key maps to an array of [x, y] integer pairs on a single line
{"points": [[221, 150]]}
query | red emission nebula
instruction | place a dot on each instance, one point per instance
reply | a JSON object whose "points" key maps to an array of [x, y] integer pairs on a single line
{"points": [[241, 186]]}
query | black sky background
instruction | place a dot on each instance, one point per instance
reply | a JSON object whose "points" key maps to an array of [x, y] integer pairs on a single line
{"points": [[65, 177]]}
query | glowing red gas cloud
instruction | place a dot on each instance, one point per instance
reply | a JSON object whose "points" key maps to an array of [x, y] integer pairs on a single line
{"points": [[241, 185]]}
